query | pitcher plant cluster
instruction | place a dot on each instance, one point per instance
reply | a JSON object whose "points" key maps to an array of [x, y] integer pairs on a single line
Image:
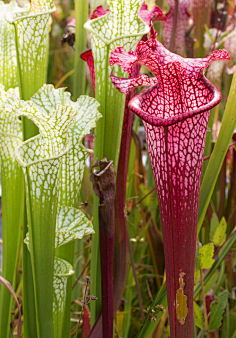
{"points": [[118, 207]]}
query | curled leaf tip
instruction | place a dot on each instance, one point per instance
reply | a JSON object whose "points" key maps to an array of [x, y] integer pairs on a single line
{"points": [[157, 58], [126, 60], [125, 85], [149, 16]]}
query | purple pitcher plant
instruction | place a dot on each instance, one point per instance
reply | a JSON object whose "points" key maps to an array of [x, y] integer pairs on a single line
{"points": [[175, 114]]}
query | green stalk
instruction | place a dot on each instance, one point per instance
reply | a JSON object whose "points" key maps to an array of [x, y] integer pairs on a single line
{"points": [[81, 16], [12, 202], [11, 173], [108, 32], [12, 206], [208, 144]]}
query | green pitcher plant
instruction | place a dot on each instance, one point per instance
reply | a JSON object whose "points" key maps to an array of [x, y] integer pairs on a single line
{"points": [[31, 41], [12, 199], [71, 223], [40, 158], [30, 32], [121, 26]]}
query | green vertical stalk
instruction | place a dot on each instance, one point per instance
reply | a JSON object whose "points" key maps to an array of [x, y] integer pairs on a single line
{"points": [[120, 27], [11, 173], [208, 144], [81, 16], [12, 201]]}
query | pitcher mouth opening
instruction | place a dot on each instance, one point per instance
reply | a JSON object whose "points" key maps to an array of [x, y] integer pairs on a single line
{"points": [[24, 161], [136, 105]]}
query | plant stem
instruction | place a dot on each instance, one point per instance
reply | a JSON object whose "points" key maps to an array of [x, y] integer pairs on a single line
{"points": [[136, 282], [81, 15]]}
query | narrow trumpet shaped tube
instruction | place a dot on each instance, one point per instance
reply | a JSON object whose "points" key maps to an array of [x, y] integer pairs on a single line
{"points": [[71, 223], [175, 114], [40, 158]]}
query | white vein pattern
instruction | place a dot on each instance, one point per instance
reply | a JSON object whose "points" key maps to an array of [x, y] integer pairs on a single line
{"points": [[72, 168], [53, 112], [71, 224], [62, 270], [8, 63], [10, 130], [121, 26], [31, 29], [40, 158]]}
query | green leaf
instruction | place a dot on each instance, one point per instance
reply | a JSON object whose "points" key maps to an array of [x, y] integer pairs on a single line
{"points": [[205, 256], [220, 233], [218, 155], [198, 316], [212, 280], [217, 309], [214, 225], [143, 192]]}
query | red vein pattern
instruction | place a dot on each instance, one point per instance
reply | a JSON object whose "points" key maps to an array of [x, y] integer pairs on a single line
{"points": [[175, 114]]}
